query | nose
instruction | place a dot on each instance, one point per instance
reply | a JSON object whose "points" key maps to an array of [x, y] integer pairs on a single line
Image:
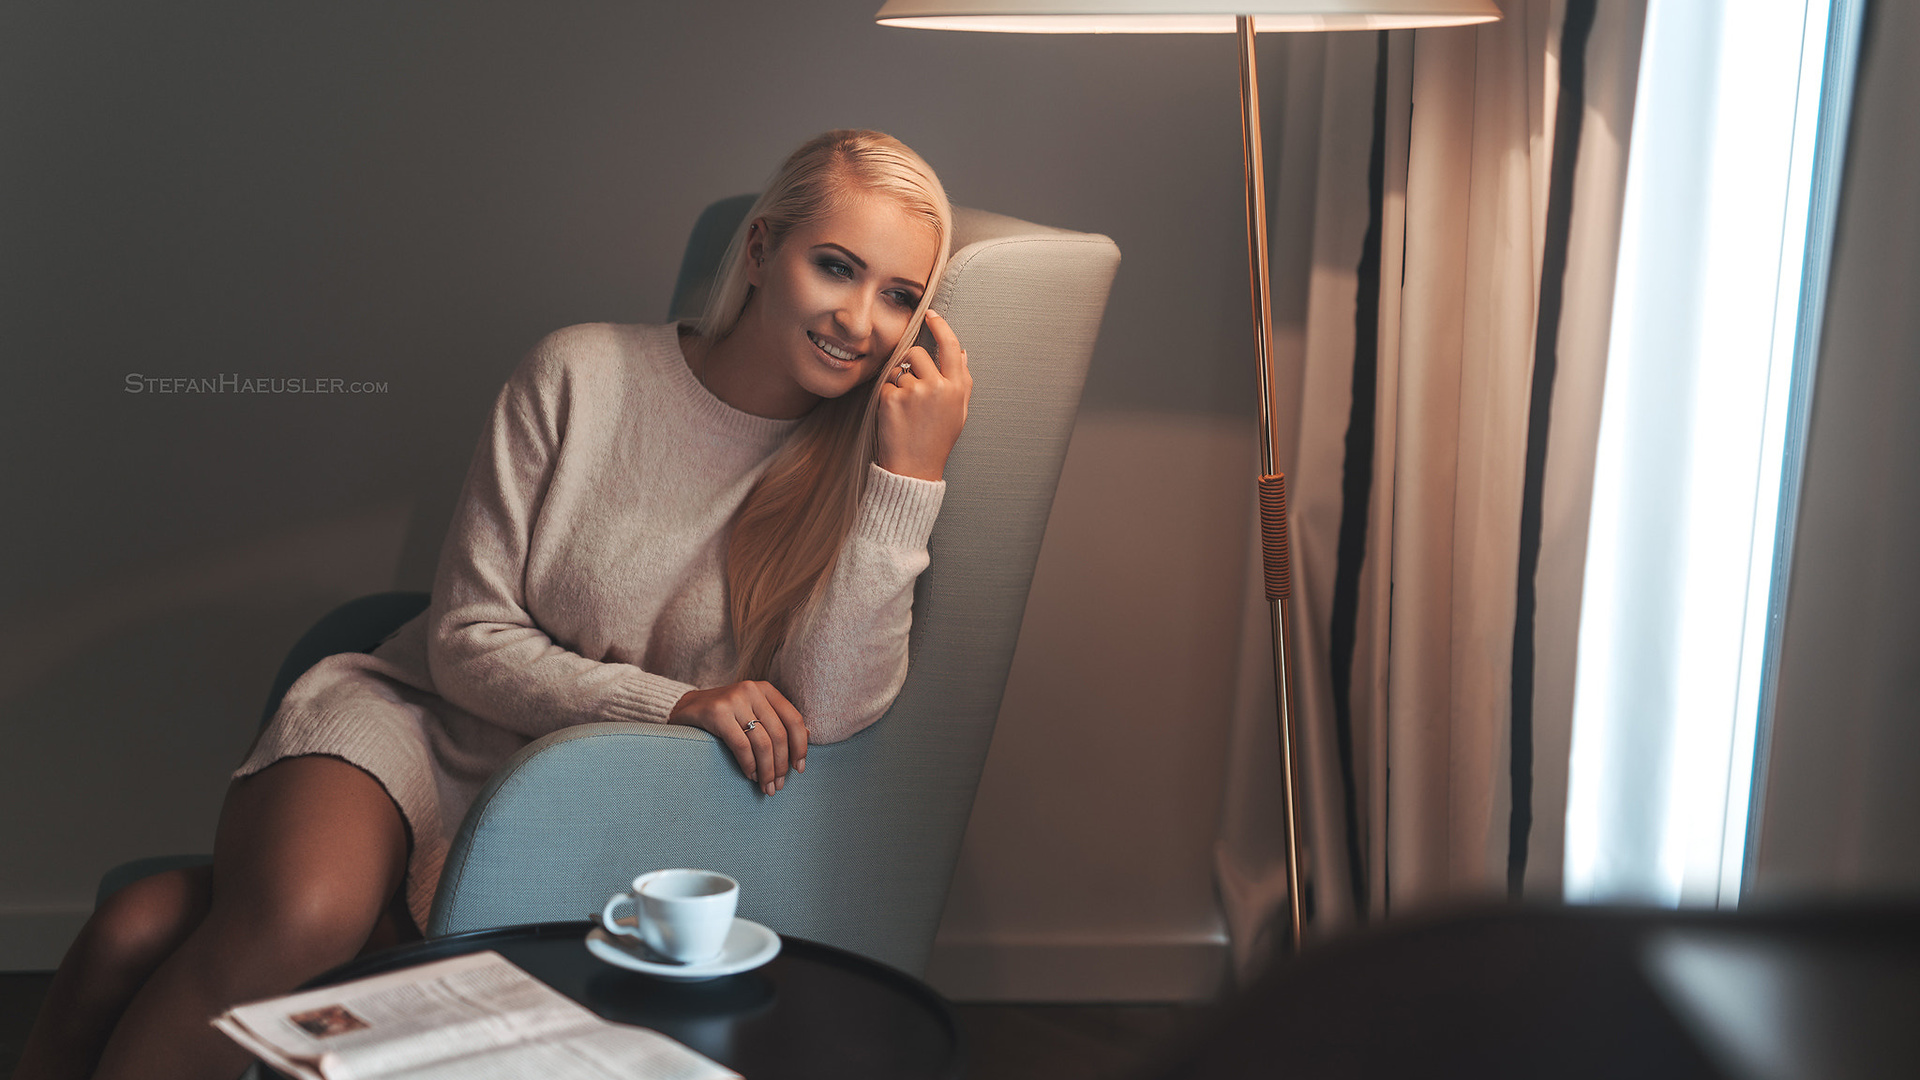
{"points": [[854, 320]]}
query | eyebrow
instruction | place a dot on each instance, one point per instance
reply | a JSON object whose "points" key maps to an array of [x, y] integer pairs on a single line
{"points": [[862, 263]]}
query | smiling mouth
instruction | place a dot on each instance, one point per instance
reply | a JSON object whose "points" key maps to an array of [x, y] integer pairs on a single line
{"points": [[832, 350]]}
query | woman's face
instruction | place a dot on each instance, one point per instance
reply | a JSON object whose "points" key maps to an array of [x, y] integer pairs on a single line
{"points": [[833, 299]]}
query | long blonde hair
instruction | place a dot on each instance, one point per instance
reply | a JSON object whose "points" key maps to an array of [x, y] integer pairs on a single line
{"points": [[788, 532]]}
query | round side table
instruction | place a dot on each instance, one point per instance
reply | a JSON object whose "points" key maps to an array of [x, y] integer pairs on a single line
{"points": [[814, 1011]]}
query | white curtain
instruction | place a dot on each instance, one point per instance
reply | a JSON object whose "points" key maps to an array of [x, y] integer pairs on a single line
{"points": [[1450, 305], [1713, 341]]}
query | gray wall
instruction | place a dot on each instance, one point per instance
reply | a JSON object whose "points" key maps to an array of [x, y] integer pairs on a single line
{"points": [[1841, 810], [411, 194]]}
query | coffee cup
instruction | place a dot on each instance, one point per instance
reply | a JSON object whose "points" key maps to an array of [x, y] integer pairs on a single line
{"points": [[682, 914]]}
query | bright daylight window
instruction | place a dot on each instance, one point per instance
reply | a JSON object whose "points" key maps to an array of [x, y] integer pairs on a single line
{"points": [[1739, 120]]}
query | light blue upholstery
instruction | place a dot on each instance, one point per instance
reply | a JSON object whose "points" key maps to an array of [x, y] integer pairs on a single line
{"points": [[858, 851]]}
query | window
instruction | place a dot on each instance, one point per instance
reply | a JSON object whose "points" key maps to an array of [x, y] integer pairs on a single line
{"points": [[1739, 120]]}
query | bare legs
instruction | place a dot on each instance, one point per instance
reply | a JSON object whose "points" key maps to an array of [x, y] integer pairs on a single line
{"points": [[130, 934], [309, 855]]}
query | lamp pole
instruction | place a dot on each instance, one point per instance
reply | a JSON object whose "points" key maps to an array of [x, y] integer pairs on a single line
{"points": [[1275, 552]]}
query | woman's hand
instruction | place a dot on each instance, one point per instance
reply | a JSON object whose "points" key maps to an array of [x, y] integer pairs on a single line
{"points": [[756, 722], [924, 405]]}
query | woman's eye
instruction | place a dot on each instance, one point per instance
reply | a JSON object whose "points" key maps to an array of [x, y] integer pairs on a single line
{"points": [[904, 298], [836, 268]]}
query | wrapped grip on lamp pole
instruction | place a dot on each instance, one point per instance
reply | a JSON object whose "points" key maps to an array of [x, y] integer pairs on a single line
{"points": [[1273, 536]]}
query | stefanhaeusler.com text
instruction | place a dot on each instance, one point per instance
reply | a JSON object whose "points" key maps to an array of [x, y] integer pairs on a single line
{"points": [[236, 384]]}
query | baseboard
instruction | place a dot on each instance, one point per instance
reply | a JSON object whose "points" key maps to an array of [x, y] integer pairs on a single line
{"points": [[35, 939], [985, 969], [1051, 970]]}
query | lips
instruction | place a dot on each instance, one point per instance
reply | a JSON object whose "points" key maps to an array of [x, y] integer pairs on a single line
{"points": [[832, 351]]}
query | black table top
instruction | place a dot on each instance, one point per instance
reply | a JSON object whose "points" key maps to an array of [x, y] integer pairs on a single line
{"points": [[814, 1011]]}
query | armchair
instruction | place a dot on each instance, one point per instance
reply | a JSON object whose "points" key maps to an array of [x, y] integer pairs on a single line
{"points": [[859, 851]]}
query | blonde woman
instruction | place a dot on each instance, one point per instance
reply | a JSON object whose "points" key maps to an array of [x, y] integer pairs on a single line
{"points": [[717, 525]]}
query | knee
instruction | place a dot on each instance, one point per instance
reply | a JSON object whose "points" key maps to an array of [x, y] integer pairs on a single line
{"points": [[137, 927]]}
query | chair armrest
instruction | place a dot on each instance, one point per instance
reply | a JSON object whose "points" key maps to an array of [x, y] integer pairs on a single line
{"points": [[561, 819], [845, 854]]}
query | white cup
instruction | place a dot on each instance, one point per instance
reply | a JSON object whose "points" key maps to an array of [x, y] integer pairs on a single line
{"points": [[681, 914]]}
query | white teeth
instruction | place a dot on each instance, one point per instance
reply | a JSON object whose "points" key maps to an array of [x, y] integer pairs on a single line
{"points": [[830, 350]]}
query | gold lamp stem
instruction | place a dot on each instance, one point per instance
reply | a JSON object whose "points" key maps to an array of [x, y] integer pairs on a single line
{"points": [[1274, 548]]}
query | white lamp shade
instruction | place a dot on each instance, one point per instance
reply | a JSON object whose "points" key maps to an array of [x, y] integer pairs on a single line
{"points": [[1180, 16]]}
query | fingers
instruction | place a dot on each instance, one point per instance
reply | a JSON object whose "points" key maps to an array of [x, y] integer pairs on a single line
{"points": [[762, 774], [766, 735], [755, 722], [796, 728], [923, 406], [770, 741], [738, 743], [712, 712], [918, 363], [953, 358], [786, 731]]}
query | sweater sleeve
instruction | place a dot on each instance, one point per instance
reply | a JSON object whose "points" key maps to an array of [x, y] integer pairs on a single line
{"points": [[484, 651], [843, 669]]}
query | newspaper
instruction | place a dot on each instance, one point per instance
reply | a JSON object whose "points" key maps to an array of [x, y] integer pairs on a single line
{"points": [[475, 1017]]}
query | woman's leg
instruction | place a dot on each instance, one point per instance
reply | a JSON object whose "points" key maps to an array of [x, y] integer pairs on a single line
{"points": [[309, 852], [127, 937]]}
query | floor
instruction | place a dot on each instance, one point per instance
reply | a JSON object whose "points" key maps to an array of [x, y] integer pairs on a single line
{"points": [[1070, 1042], [1004, 1042], [19, 1002]]}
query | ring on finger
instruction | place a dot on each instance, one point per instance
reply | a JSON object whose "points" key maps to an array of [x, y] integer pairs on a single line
{"points": [[751, 724]]}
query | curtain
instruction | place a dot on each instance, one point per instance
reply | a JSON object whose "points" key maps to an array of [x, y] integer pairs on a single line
{"points": [[1446, 312]]}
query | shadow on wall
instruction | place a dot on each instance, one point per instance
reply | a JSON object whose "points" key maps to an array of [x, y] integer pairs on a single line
{"points": [[171, 638]]}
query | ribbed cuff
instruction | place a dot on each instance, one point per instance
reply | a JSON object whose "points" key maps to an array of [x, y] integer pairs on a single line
{"points": [[645, 697], [899, 511]]}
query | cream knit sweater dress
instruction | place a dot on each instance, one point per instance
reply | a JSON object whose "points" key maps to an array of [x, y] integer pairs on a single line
{"points": [[583, 580]]}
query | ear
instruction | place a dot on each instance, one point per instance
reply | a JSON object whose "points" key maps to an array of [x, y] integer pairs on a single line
{"points": [[757, 251]]}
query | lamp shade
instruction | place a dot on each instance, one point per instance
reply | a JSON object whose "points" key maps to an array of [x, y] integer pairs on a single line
{"points": [[1180, 16]]}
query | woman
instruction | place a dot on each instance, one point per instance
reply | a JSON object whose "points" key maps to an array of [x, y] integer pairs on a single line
{"points": [[717, 526]]}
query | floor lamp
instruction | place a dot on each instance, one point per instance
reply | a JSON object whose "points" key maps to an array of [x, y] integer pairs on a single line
{"points": [[1221, 17]]}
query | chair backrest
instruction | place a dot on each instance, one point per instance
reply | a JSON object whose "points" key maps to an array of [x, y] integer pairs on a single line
{"points": [[1026, 301], [860, 852]]}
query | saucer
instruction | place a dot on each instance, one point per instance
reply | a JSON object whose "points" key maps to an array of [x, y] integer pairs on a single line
{"points": [[748, 946]]}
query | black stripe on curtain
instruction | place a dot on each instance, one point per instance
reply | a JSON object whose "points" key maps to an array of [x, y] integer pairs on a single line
{"points": [[1356, 480], [1546, 361]]}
